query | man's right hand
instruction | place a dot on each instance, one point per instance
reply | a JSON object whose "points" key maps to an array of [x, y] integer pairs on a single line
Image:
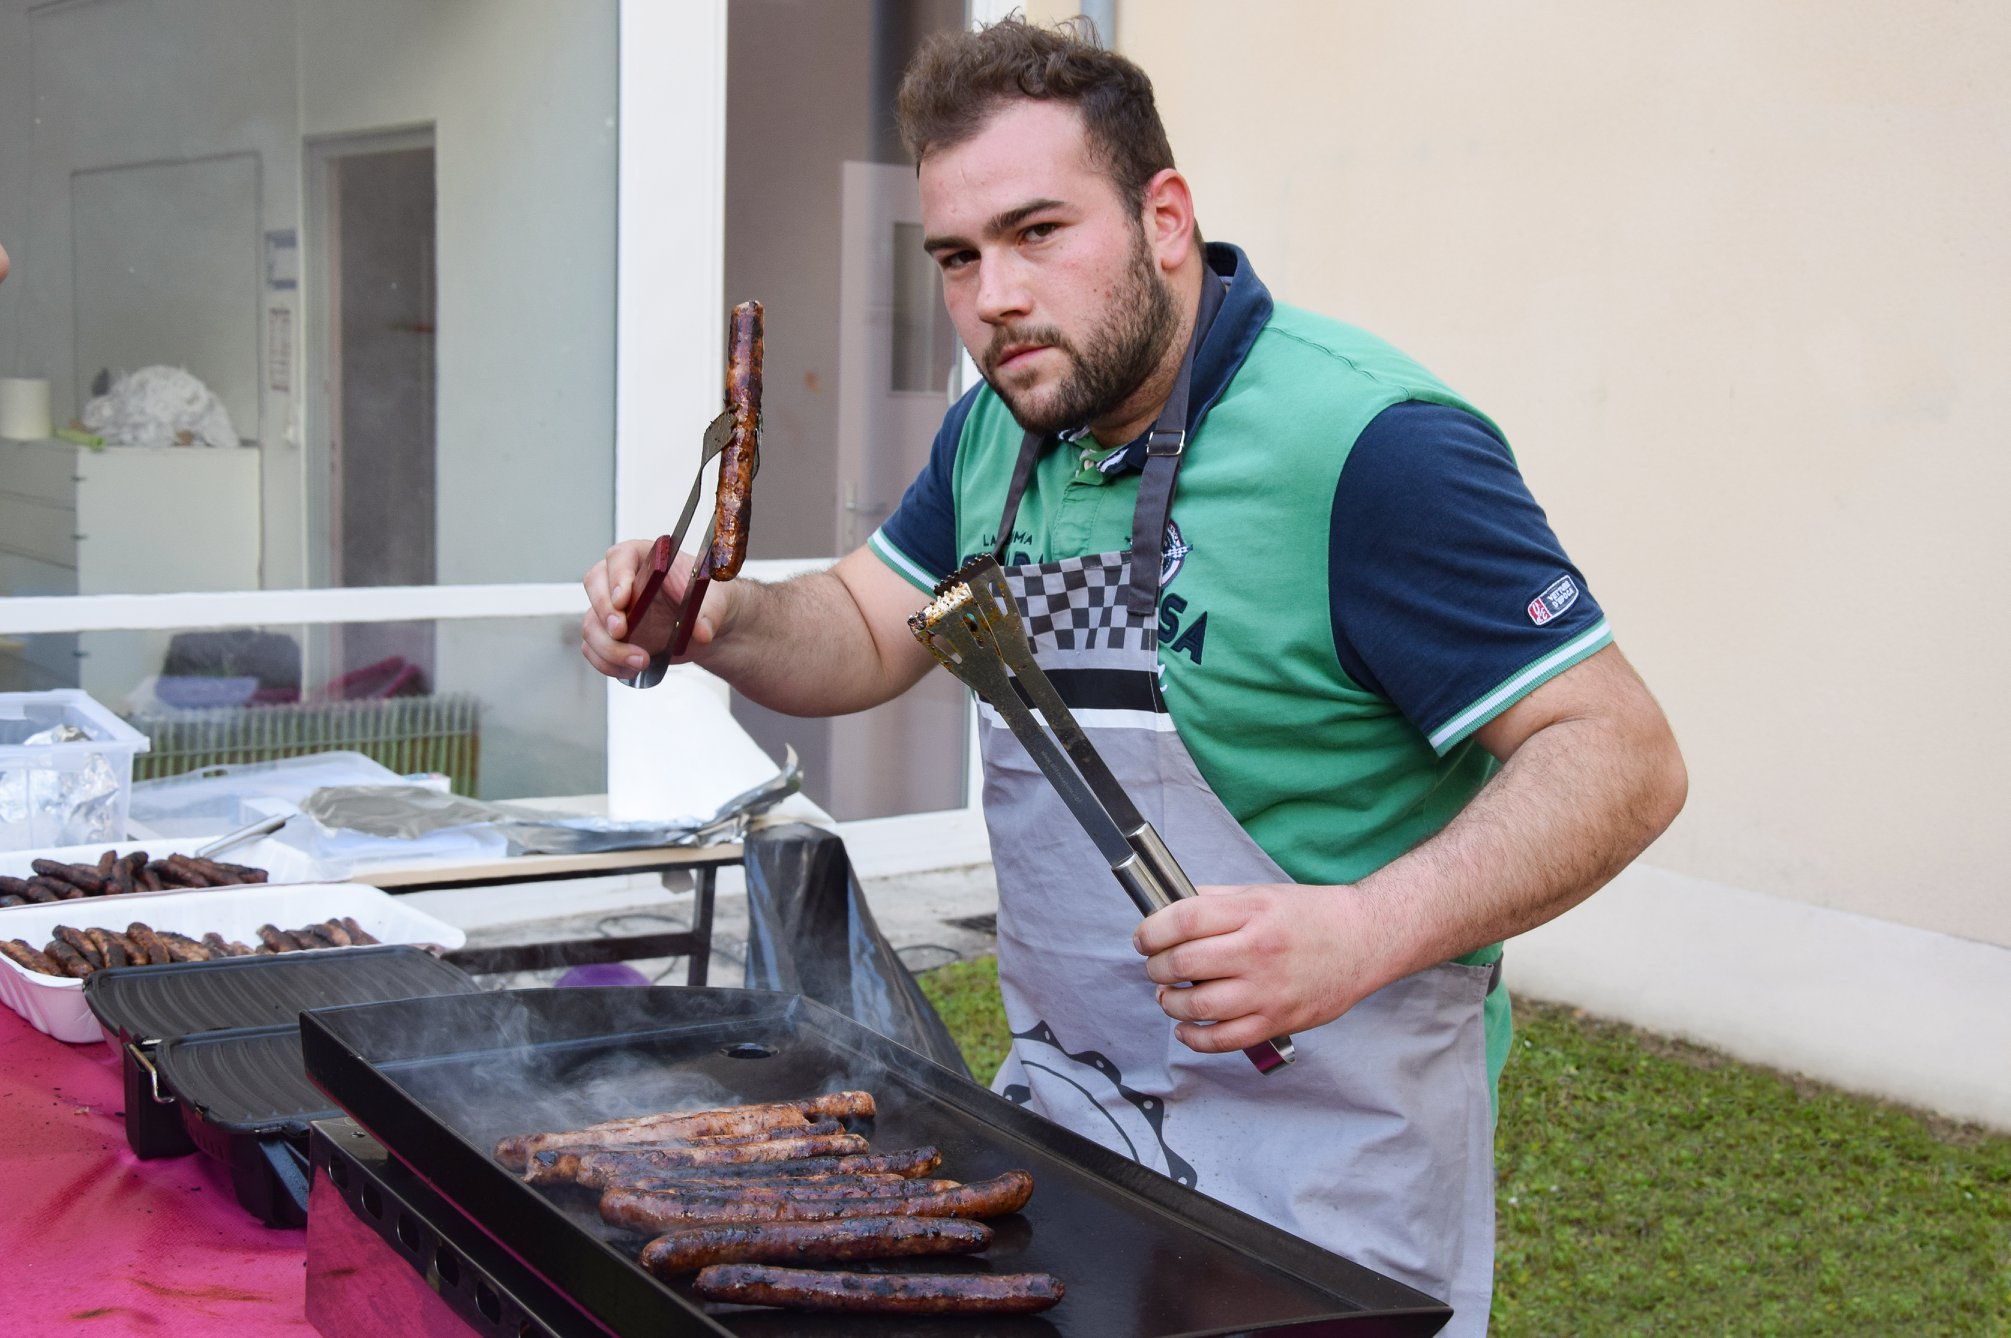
{"points": [[823, 643], [618, 640]]}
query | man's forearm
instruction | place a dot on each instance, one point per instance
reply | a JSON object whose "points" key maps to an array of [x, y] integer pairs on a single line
{"points": [[802, 647], [1571, 808], [1563, 817]]}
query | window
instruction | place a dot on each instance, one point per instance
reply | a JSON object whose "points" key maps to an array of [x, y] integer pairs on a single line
{"points": [[320, 299]]}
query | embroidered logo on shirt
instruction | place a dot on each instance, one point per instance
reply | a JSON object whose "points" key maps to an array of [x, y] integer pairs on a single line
{"points": [[1562, 594]]}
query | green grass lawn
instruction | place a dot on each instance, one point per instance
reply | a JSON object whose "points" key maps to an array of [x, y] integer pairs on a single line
{"points": [[1651, 1187]]}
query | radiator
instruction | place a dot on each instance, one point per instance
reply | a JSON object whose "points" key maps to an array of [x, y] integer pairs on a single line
{"points": [[407, 734]]}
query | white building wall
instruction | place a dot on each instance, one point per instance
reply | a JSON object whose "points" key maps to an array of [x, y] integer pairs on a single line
{"points": [[1731, 278]]}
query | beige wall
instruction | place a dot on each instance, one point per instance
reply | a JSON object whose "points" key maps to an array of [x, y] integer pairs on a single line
{"points": [[1733, 278]]}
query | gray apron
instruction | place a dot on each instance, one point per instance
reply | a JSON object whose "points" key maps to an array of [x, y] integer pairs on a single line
{"points": [[1378, 1144]]}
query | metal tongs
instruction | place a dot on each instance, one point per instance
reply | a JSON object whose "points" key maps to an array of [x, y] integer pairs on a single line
{"points": [[973, 628], [661, 554]]}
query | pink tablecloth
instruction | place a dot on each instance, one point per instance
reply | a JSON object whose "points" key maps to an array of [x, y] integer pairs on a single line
{"points": [[94, 1240]]}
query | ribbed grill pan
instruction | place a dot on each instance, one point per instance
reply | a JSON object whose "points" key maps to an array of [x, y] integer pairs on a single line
{"points": [[245, 1080], [150, 1003]]}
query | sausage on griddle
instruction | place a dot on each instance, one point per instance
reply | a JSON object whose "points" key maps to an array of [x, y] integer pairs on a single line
{"points": [[768, 1191], [645, 1210], [849, 1105], [600, 1169], [704, 1181], [782, 1117], [813, 1242], [763, 1135], [567, 1161], [562, 1164], [879, 1293], [666, 1138], [733, 508]]}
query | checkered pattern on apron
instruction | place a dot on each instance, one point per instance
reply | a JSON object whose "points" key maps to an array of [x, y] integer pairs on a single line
{"points": [[1078, 604]]}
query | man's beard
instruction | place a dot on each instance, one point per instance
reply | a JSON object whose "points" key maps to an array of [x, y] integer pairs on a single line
{"points": [[1112, 362]]}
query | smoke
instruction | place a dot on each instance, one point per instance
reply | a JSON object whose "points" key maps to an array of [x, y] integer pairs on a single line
{"points": [[488, 1066]]}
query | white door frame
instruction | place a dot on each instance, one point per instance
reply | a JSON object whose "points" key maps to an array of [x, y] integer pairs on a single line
{"points": [[322, 238], [672, 245]]}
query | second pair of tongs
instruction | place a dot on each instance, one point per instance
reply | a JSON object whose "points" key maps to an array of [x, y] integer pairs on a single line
{"points": [[735, 438], [973, 628]]}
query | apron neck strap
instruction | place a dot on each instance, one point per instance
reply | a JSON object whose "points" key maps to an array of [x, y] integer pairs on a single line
{"points": [[1165, 445]]}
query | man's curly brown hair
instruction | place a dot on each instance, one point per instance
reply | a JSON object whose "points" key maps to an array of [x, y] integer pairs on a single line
{"points": [[959, 80]]}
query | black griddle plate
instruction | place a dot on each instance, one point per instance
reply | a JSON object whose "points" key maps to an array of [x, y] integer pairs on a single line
{"points": [[439, 1081]]}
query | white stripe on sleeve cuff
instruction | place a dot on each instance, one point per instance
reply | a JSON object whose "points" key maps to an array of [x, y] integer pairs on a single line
{"points": [[1508, 693], [883, 548]]}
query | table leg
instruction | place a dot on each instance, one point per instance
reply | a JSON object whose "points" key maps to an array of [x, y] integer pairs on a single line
{"points": [[701, 926]]}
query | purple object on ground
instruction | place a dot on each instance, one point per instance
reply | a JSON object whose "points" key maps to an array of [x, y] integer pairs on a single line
{"points": [[602, 973]]}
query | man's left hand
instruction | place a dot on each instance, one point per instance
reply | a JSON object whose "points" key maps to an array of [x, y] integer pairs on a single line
{"points": [[1266, 960], [1590, 775]]}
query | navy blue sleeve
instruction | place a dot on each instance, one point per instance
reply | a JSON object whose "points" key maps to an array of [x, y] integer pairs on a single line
{"points": [[1451, 596], [919, 540]]}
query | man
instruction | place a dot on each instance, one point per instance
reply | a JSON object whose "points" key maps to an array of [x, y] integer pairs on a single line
{"points": [[1358, 687]]}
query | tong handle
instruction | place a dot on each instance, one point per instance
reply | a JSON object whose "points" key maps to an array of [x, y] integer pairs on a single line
{"points": [[717, 433], [661, 553], [978, 650], [687, 617], [1155, 879]]}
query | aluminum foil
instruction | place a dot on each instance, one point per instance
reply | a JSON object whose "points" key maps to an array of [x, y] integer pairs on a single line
{"points": [[64, 806], [408, 812]]}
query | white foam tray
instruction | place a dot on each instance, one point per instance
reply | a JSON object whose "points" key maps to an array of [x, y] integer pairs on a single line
{"points": [[282, 863], [55, 1004]]}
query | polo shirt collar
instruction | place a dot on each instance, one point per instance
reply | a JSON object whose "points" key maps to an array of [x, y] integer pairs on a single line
{"points": [[1246, 309]]}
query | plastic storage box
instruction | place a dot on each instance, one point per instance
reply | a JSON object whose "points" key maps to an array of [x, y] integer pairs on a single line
{"points": [[218, 799], [63, 794]]}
